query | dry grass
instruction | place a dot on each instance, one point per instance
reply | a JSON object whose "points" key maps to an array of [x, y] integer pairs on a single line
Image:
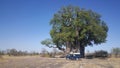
{"points": [[40, 62], [1, 58], [72, 64], [102, 63]]}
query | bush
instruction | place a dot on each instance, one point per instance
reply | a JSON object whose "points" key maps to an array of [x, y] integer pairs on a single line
{"points": [[101, 54], [89, 56]]}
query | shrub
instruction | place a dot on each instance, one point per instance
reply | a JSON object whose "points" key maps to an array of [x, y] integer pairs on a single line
{"points": [[101, 54], [89, 56]]}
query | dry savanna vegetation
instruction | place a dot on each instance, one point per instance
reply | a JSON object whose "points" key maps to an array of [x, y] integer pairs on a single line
{"points": [[23, 59], [42, 62]]}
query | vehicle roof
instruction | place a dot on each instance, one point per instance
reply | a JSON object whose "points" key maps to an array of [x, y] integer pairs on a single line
{"points": [[74, 53]]}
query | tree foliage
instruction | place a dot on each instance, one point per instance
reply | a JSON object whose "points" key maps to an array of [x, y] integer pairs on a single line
{"points": [[75, 28]]}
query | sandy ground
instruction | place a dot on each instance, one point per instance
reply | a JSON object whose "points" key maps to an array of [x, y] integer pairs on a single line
{"points": [[40, 62]]}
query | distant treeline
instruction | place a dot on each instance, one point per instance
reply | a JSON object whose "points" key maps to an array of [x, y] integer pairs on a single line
{"points": [[98, 54], [44, 53], [115, 52], [14, 52]]}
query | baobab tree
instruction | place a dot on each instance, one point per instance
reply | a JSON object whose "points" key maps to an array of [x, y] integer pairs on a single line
{"points": [[75, 28]]}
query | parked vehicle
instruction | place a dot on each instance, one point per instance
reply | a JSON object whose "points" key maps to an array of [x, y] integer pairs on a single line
{"points": [[73, 56]]}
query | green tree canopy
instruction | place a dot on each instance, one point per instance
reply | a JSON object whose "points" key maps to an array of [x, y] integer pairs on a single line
{"points": [[75, 28]]}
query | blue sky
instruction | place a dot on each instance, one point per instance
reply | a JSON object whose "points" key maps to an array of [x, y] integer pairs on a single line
{"points": [[24, 23]]}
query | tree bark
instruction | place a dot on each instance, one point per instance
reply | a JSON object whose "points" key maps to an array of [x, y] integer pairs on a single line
{"points": [[82, 51], [68, 47]]}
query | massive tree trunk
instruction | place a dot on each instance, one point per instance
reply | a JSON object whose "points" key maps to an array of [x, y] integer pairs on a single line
{"points": [[82, 51], [68, 47], [77, 38]]}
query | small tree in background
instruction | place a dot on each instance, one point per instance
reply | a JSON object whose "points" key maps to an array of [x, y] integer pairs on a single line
{"points": [[44, 52], [12, 52], [1, 53], [54, 52], [116, 52]]}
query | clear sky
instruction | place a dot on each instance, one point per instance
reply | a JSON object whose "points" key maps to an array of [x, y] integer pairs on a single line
{"points": [[24, 23]]}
